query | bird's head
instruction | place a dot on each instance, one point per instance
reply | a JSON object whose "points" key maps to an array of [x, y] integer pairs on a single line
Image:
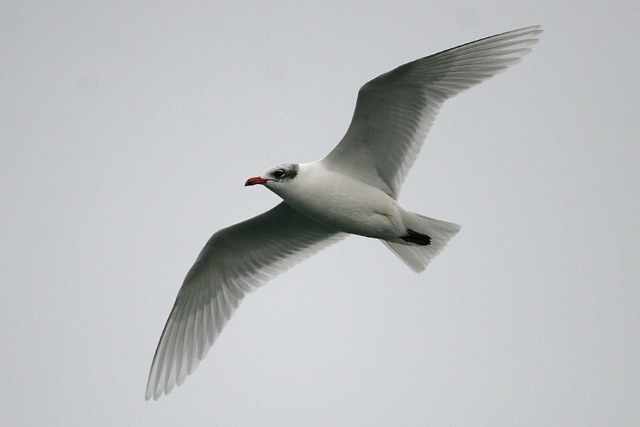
{"points": [[275, 176]]}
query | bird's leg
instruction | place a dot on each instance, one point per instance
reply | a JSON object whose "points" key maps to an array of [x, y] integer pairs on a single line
{"points": [[417, 238]]}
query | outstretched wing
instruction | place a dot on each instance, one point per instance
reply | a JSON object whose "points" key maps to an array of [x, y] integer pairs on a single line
{"points": [[395, 111], [236, 260]]}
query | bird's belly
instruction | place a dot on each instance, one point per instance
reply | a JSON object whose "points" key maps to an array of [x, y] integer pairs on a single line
{"points": [[363, 210]]}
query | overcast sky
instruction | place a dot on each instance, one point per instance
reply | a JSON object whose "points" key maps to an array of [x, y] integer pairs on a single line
{"points": [[127, 130]]}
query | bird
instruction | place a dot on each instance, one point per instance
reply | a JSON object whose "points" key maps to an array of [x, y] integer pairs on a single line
{"points": [[353, 190]]}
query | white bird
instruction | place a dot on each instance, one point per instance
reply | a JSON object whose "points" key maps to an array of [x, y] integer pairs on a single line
{"points": [[353, 190]]}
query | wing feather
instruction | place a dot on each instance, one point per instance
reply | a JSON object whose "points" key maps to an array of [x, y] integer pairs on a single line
{"points": [[236, 260], [395, 111]]}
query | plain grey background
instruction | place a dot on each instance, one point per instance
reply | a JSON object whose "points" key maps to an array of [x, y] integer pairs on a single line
{"points": [[128, 129]]}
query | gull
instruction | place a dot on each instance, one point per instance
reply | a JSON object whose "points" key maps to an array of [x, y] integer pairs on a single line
{"points": [[353, 190]]}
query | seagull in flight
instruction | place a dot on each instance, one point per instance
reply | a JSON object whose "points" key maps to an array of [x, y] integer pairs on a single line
{"points": [[353, 190]]}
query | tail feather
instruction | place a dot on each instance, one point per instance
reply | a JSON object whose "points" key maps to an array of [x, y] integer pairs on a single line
{"points": [[417, 256]]}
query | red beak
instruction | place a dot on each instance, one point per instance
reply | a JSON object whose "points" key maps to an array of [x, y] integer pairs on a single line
{"points": [[255, 180]]}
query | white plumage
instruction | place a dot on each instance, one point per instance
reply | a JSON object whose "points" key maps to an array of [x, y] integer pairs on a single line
{"points": [[351, 191]]}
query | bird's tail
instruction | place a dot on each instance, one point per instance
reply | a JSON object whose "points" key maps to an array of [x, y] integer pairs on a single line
{"points": [[425, 239]]}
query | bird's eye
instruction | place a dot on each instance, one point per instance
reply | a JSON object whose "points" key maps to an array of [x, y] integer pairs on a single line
{"points": [[279, 173]]}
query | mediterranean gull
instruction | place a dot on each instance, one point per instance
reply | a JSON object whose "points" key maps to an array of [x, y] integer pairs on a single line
{"points": [[353, 190]]}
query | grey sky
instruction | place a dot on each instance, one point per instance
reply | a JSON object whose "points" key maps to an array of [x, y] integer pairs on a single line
{"points": [[128, 130]]}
